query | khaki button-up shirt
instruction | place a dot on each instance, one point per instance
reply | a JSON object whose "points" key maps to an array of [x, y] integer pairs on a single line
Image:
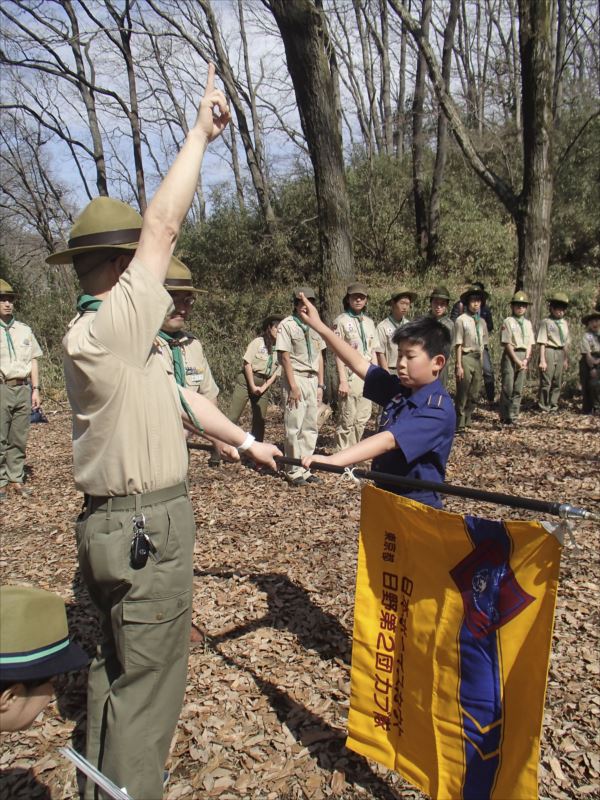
{"points": [[465, 333], [17, 364], [198, 376], [258, 356], [127, 429], [550, 332], [293, 340], [512, 333], [385, 330]]}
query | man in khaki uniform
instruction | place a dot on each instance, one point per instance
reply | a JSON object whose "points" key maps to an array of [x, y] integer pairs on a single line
{"points": [[358, 330], [400, 303], [19, 352], [517, 340], [136, 534], [470, 338], [553, 339], [439, 300], [192, 370], [300, 353]]}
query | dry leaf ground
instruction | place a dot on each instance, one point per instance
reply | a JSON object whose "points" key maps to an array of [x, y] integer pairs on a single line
{"points": [[267, 696]]}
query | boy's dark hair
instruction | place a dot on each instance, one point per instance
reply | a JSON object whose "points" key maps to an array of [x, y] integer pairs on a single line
{"points": [[433, 336]]}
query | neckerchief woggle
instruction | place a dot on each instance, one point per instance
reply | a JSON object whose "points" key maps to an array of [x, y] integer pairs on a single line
{"points": [[87, 302]]}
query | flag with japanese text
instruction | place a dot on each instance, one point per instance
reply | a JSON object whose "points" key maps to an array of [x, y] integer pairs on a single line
{"points": [[452, 634]]}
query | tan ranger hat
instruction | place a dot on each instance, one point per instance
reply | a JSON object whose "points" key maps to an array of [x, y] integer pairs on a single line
{"points": [[179, 278], [6, 288], [104, 224]]}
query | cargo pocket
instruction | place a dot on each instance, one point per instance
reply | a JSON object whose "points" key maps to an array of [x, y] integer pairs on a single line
{"points": [[155, 631], [104, 557]]}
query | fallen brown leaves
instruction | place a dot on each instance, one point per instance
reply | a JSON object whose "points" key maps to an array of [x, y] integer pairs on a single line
{"points": [[267, 698]]}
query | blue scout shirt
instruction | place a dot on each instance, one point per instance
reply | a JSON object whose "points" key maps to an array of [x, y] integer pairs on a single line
{"points": [[423, 425]]}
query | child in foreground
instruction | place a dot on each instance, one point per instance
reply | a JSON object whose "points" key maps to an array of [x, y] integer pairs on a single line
{"points": [[418, 420]]}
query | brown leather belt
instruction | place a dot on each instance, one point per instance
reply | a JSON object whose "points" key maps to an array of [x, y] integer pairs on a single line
{"points": [[14, 381]]}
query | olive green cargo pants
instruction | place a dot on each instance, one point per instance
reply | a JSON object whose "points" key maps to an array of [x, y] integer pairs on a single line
{"points": [[138, 677], [15, 415], [551, 379], [513, 381], [468, 389], [354, 411]]}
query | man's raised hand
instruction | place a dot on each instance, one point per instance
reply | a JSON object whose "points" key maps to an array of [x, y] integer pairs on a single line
{"points": [[213, 112]]}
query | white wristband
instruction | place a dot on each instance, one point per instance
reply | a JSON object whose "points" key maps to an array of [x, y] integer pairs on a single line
{"points": [[247, 443]]}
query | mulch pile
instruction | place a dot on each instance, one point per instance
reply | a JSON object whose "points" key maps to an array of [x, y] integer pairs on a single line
{"points": [[267, 697]]}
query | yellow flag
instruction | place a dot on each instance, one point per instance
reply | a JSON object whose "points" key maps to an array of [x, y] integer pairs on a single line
{"points": [[452, 634]]}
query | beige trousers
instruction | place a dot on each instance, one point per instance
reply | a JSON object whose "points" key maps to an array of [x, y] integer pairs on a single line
{"points": [[354, 412], [300, 423]]}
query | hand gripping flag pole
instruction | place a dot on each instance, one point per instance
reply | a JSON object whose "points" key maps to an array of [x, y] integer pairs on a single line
{"points": [[565, 511]]}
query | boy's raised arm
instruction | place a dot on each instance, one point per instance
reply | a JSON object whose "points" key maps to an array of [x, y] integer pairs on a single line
{"points": [[351, 357]]}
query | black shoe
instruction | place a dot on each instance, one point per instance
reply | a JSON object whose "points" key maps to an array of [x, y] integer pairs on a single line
{"points": [[300, 481], [314, 479]]}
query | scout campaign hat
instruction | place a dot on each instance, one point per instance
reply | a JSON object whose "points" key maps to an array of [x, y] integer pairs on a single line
{"points": [[559, 298], [34, 636], [520, 297], [473, 291], [179, 278], [357, 288], [440, 293], [6, 288], [403, 292], [306, 291], [104, 223], [273, 319], [589, 317]]}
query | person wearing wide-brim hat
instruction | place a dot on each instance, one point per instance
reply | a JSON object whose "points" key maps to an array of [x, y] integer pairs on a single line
{"points": [[300, 353], [182, 350], [136, 534], [400, 302], [485, 312], [34, 648], [589, 363], [253, 383], [470, 339], [554, 340], [439, 301], [517, 338], [19, 392], [356, 328]]}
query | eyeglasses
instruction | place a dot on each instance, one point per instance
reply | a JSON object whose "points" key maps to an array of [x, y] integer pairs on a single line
{"points": [[6, 298], [186, 300]]}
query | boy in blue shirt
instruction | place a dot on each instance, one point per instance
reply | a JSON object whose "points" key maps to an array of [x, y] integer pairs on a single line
{"points": [[418, 421]]}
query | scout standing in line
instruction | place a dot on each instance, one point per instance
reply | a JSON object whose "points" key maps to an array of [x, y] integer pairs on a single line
{"points": [[354, 327], [517, 339], [589, 365], [300, 352], [136, 533], [439, 300], [553, 339], [400, 303], [485, 313], [259, 372], [417, 424], [19, 352], [470, 338]]}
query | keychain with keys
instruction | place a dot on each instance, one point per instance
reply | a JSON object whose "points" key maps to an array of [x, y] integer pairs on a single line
{"points": [[141, 543]]}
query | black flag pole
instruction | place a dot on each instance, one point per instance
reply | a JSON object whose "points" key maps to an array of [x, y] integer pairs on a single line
{"points": [[562, 510], [556, 509]]}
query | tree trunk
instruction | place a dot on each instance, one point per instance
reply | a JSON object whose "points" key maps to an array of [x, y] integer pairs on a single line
{"points": [[535, 201], [418, 142], [442, 140], [302, 27]]}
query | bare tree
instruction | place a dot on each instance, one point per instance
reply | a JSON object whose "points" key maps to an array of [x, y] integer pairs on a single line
{"points": [[303, 29]]}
